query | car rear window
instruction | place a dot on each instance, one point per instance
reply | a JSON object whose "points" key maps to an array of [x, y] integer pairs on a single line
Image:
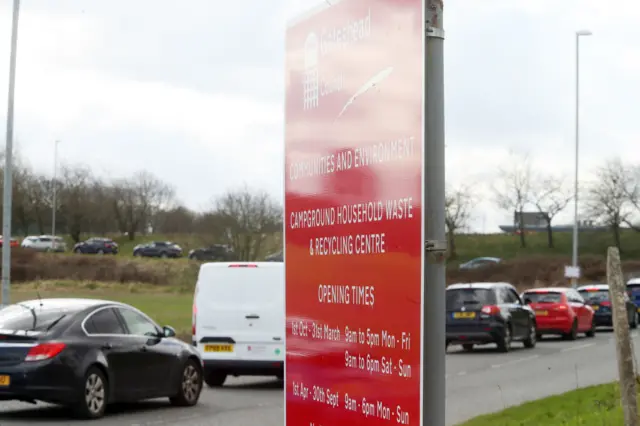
{"points": [[469, 297], [20, 318], [595, 295], [634, 288], [540, 297]]}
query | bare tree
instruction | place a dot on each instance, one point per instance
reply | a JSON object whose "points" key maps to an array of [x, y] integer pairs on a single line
{"points": [[247, 218], [137, 199], [458, 205], [550, 195], [76, 199], [512, 189], [608, 198]]}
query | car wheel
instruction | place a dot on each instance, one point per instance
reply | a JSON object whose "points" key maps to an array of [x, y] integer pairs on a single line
{"points": [[190, 386], [504, 344], [93, 402], [100, 251], [531, 340], [136, 254], [573, 334], [468, 347], [77, 251], [634, 323], [592, 331], [215, 379], [164, 255]]}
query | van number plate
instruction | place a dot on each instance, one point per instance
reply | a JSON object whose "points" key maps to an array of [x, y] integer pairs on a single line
{"points": [[218, 348]]}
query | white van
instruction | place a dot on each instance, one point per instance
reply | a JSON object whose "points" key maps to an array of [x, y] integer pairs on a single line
{"points": [[239, 320]]}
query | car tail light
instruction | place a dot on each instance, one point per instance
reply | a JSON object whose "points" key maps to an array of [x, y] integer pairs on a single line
{"points": [[490, 310], [244, 266], [44, 351], [605, 303], [193, 320]]}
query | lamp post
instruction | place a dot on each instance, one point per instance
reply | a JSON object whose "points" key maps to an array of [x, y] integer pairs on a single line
{"points": [[54, 202], [574, 257]]}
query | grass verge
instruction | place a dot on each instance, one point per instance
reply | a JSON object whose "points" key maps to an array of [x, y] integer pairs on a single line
{"points": [[166, 305], [592, 406]]}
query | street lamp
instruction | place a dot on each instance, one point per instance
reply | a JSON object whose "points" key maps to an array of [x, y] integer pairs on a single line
{"points": [[8, 162], [581, 33], [54, 202]]}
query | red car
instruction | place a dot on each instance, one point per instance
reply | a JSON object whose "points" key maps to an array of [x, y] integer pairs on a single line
{"points": [[13, 242], [561, 311]]}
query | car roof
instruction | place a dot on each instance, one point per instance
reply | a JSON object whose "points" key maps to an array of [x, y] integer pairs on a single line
{"points": [[594, 287], [487, 285], [547, 289], [62, 303]]}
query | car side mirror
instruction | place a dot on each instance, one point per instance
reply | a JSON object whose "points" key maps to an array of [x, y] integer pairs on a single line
{"points": [[527, 301], [168, 331]]}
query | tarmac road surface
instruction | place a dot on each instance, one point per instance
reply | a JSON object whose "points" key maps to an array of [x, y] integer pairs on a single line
{"points": [[479, 382], [485, 381]]}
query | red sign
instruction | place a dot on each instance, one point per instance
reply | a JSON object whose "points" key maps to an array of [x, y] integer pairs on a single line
{"points": [[353, 212]]}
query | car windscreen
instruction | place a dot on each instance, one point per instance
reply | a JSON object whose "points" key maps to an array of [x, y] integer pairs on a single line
{"points": [[594, 296], [19, 317], [540, 297], [633, 288], [469, 298]]}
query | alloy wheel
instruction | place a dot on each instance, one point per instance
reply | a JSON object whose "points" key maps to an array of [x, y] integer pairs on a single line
{"points": [[94, 393], [190, 383]]}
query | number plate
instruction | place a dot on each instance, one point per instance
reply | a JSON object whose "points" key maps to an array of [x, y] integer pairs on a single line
{"points": [[542, 313], [218, 348], [460, 315], [595, 307], [5, 381]]}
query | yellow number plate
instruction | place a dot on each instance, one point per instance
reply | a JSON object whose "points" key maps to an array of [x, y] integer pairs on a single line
{"points": [[218, 348], [542, 313], [595, 307], [5, 380], [464, 315]]}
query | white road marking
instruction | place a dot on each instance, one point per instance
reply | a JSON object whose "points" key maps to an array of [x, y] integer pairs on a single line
{"points": [[515, 361], [575, 348]]}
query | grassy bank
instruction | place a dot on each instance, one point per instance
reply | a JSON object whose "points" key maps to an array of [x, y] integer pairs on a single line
{"points": [[166, 305], [592, 406]]}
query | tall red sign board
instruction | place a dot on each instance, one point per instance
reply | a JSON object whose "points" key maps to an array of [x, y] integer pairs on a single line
{"points": [[353, 213]]}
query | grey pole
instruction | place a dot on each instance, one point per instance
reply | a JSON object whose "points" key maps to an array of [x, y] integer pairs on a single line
{"points": [[574, 254], [8, 162], [54, 202], [433, 327]]}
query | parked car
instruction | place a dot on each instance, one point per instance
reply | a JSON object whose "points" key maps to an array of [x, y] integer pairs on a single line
{"points": [[13, 242], [45, 243], [96, 246], [561, 311], [213, 253], [86, 354], [633, 291], [480, 262], [162, 249], [597, 295], [483, 313]]}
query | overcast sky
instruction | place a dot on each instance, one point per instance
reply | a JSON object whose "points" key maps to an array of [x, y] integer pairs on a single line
{"points": [[193, 91]]}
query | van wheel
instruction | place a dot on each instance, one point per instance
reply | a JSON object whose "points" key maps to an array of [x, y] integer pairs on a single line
{"points": [[215, 379]]}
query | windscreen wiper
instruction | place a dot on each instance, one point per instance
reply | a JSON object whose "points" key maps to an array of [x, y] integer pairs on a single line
{"points": [[33, 313], [57, 320]]}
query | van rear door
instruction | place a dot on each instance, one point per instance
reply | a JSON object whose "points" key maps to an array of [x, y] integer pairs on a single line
{"points": [[240, 311]]}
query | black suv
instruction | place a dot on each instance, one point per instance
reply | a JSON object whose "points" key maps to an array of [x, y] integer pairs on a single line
{"points": [[158, 249], [96, 246], [483, 313], [213, 253]]}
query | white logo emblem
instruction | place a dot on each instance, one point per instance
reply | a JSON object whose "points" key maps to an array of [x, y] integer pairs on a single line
{"points": [[310, 80]]}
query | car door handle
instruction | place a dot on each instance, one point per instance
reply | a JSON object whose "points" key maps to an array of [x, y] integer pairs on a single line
{"points": [[107, 346], [253, 316], [143, 349]]}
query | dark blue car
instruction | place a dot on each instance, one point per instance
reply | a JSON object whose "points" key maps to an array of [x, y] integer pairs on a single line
{"points": [[633, 290]]}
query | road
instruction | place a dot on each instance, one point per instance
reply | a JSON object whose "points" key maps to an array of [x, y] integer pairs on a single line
{"points": [[479, 382]]}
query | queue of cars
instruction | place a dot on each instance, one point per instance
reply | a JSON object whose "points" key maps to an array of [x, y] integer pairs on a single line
{"points": [[494, 313]]}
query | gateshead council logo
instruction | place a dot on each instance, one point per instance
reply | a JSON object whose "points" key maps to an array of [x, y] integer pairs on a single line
{"points": [[310, 79]]}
